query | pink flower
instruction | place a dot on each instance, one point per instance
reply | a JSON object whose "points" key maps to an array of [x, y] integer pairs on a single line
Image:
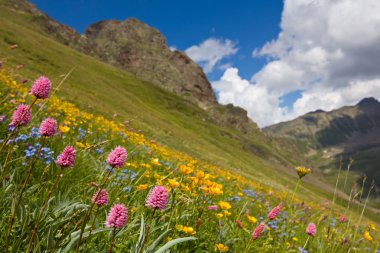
{"points": [[274, 212], [116, 158], [157, 198], [311, 229], [256, 233], [41, 88], [48, 127], [213, 207], [239, 224], [66, 158], [342, 219], [100, 197], [117, 216], [21, 116]]}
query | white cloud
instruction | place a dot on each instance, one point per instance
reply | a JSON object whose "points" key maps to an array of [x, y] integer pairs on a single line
{"points": [[210, 52], [328, 49], [172, 48]]}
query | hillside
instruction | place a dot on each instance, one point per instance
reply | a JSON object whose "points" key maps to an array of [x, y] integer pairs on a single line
{"points": [[162, 115], [111, 159], [348, 132]]}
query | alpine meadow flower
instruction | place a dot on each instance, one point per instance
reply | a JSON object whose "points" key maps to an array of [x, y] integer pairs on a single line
{"points": [[274, 212], [212, 208], [239, 224], [221, 247], [367, 236], [21, 116], [117, 216], [256, 233], [41, 88], [116, 158], [157, 198], [311, 229], [100, 198], [302, 171], [48, 127], [67, 158], [224, 205]]}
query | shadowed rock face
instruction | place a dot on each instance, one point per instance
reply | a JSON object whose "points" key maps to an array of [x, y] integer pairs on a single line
{"points": [[142, 50]]}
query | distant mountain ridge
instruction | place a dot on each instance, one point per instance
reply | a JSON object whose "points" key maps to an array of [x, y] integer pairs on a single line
{"points": [[139, 49], [348, 132]]}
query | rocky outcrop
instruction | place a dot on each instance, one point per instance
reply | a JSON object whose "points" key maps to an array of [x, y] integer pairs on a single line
{"points": [[142, 50]]}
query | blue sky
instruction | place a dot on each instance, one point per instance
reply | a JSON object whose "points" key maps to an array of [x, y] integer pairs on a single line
{"points": [[184, 23], [276, 59]]}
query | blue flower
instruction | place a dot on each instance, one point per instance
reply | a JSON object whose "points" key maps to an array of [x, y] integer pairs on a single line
{"points": [[302, 250]]}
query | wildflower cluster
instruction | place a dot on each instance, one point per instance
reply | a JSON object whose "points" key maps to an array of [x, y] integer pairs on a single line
{"points": [[111, 189]]}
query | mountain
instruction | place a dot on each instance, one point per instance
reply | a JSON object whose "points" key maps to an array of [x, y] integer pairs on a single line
{"points": [[348, 132], [142, 50], [181, 115]]}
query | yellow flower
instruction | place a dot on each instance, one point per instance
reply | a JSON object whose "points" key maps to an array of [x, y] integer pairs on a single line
{"points": [[219, 215], [186, 170], [64, 129], [295, 239], [222, 248], [155, 161], [133, 209], [224, 205], [367, 236], [226, 213], [173, 183], [251, 219], [142, 187], [189, 230], [80, 144], [302, 171], [371, 226], [179, 227]]}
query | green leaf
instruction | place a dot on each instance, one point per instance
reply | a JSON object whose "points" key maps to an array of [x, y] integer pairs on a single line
{"points": [[141, 236], [75, 237], [170, 244], [156, 242]]}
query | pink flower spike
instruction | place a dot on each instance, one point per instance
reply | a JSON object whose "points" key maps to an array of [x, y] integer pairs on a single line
{"points": [[256, 233], [48, 127], [239, 224], [41, 88], [66, 158], [100, 198], [342, 219], [311, 229], [157, 198], [116, 158], [274, 212], [213, 208], [117, 216], [21, 116]]}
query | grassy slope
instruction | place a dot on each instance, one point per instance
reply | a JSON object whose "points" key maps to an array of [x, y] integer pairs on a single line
{"points": [[100, 88]]}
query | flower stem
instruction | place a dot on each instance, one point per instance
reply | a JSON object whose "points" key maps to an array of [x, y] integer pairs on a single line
{"points": [[293, 195], [112, 241], [26, 181], [147, 231], [92, 223], [90, 209], [41, 211]]}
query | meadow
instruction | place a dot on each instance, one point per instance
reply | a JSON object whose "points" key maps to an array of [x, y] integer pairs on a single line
{"points": [[74, 181]]}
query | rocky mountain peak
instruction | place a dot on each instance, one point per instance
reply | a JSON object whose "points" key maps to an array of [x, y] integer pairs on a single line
{"points": [[367, 102]]}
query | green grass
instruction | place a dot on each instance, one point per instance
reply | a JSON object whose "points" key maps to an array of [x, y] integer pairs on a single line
{"points": [[103, 89]]}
